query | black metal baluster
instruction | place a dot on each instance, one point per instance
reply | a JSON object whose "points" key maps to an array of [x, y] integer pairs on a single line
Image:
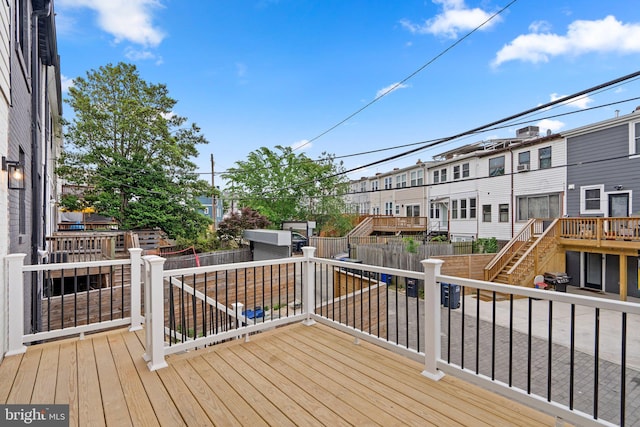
{"points": [[510, 340], [550, 351], [623, 371], [493, 337], [477, 327], [461, 331], [572, 355], [596, 362], [530, 323]]}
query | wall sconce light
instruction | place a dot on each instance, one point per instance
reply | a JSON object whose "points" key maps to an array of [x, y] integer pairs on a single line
{"points": [[618, 187], [15, 170]]}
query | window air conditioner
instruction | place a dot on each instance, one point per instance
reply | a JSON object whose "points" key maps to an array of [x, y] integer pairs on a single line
{"points": [[523, 167]]}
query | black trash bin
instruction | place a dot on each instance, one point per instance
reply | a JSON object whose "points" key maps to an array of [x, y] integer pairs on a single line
{"points": [[412, 287], [450, 295]]}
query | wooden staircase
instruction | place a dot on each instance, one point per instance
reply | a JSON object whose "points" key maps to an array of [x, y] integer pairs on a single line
{"points": [[503, 275], [529, 253]]}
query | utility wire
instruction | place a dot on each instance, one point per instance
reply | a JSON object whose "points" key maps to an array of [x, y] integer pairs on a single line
{"points": [[401, 82]]}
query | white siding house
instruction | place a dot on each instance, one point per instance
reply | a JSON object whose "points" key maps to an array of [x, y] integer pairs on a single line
{"points": [[5, 100], [491, 189]]}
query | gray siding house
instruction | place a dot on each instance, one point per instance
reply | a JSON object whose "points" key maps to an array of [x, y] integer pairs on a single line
{"points": [[603, 180], [34, 135]]}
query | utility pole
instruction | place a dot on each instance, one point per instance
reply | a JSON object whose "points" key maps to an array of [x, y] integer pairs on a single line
{"points": [[214, 201]]}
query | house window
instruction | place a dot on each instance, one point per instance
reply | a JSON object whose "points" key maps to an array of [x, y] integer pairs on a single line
{"points": [[436, 177], [416, 178], [443, 175], [524, 159], [413, 210], [454, 209], [591, 199], [635, 140], [486, 213], [388, 208], [401, 180], [472, 208], [463, 208], [456, 172], [388, 183], [503, 210], [375, 210], [363, 187], [465, 170], [496, 166], [397, 209], [544, 155], [435, 210], [545, 206], [22, 30], [374, 185]]}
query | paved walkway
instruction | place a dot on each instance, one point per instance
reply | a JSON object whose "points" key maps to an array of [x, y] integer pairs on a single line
{"points": [[609, 372]]}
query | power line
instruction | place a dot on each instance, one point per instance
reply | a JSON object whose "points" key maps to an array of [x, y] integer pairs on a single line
{"points": [[401, 82]]}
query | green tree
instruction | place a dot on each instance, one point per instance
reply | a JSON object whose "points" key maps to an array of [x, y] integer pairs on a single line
{"points": [[285, 186], [132, 153]]}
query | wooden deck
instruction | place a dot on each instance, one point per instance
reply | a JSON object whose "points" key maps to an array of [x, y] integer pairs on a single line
{"points": [[296, 375]]}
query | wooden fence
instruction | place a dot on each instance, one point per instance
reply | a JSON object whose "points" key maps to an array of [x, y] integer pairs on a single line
{"points": [[209, 258]]}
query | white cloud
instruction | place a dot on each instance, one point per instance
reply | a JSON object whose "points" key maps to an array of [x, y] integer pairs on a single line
{"points": [[129, 20], [455, 17], [580, 103], [540, 27], [66, 82], [303, 144], [552, 125], [605, 35], [392, 87]]}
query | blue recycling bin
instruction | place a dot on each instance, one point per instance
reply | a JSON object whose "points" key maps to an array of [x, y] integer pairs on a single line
{"points": [[450, 295], [386, 278]]}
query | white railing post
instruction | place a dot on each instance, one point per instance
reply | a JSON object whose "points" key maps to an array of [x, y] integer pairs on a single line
{"points": [[14, 291], [154, 315], [135, 255], [432, 318], [308, 284]]}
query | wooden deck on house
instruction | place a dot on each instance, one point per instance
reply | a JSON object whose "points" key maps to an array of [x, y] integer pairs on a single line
{"points": [[295, 375]]}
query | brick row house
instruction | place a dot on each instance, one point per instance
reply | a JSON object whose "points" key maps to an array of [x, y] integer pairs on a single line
{"points": [[30, 136]]}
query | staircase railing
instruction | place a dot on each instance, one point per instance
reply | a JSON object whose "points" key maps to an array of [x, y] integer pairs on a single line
{"points": [[364, 228], [507, 253], [535, 258]]}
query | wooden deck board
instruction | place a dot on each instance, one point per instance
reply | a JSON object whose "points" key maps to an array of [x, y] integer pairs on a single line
{"points": [[90, 410], [295, 375], [10, 366], [164, 408], [46, 377], [334, 394], [140, 410], [67, 381], [25, 378], [113, 400]]}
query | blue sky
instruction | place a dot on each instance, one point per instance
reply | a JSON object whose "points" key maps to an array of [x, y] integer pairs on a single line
{"points": [[255, 73]]}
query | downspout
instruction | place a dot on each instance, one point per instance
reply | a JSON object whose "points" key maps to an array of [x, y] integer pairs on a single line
{"points": [[36, 189], [513, 204]]}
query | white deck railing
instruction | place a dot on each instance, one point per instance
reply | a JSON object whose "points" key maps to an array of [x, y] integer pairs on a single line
{"points": [[551, 323]]}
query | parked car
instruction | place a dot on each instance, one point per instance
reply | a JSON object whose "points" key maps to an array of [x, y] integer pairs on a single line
{"points": [[298, 241]]}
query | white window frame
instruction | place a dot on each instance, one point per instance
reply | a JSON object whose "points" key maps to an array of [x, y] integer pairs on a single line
{"points": [[583, 200], [374, 185], [388, 208], [436, 177], [465, 170], [456, 172], [416, 178], [388, 183], [634, 140]]}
